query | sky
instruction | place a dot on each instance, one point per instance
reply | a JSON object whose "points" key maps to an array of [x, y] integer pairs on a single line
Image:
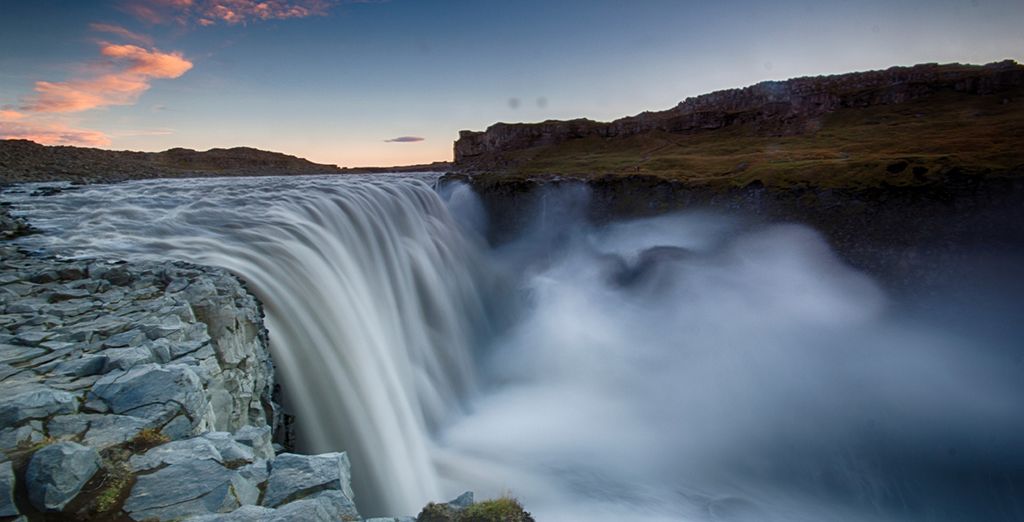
{"points": [[377, 83]]}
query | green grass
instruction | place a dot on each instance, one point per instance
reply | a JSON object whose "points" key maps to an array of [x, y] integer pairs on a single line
{"points": [[850, 148], [504, 509]]}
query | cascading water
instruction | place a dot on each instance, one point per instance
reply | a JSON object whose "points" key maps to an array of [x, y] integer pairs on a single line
{"points": [[373, 301], [685, 367]]}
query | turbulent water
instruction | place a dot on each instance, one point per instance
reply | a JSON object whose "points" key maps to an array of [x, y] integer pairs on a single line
{"points": [[685, 367]]}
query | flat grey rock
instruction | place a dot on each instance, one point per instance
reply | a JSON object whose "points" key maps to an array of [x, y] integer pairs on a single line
{"points": [[325, 506], [12, 354], [199, 487], [176, 452], [35, 402], [56, 473], [296, 476], [82, 366]]}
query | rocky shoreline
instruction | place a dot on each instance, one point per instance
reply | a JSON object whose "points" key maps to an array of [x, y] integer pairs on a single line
{"points": [[145, 391]]}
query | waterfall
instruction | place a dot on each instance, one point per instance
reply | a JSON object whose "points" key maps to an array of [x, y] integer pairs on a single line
{"points": [[693, 366], [373, 300]]}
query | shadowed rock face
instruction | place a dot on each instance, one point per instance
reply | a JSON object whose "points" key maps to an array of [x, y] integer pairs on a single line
{"points": [[774, 108]]}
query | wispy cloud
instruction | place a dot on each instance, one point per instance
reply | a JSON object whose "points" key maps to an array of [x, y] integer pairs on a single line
{"points": [[130, 36], [135, 68], [231, 12], [405, 139]]}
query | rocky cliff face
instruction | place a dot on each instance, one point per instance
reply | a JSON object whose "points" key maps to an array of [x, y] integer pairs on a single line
{"points": [[22, 160], [774, 108]]}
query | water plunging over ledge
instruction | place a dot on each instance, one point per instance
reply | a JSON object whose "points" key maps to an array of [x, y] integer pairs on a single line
{"points": [[687, 366]]}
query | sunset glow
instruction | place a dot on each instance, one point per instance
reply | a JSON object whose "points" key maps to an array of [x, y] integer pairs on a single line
{"points": [[363, 82]]}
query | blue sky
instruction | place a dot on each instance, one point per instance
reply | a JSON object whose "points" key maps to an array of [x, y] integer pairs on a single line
{"points": [[335, 80]]}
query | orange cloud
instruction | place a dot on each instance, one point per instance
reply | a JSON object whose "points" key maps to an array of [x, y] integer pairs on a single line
{"points": [[52, 133], [123, 33], [9, 115], [231, 12], [122, 87]]}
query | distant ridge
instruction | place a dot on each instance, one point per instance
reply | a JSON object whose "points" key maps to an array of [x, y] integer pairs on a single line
{"points": [[23, 160], [858, 122]]}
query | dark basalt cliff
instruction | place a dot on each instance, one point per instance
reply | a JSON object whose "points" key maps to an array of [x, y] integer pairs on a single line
{"points": [[771, 108], [23, 160]]}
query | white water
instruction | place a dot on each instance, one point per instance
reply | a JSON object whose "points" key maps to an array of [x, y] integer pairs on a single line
{"points": [[685, 367]]}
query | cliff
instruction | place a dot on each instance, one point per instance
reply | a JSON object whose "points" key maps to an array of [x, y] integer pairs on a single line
{"points": [[780, 127], [23, 160]]}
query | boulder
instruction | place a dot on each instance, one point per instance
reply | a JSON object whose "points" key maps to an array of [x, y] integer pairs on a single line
{"points": [[56, 473], [294, 476], [7, 506]]}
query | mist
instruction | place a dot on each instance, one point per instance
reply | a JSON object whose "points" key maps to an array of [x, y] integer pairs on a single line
{"points": [[698, 366]]}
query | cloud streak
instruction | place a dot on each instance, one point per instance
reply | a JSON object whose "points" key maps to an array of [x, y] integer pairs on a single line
{"points": [[230, 12], [135, 68], [405, 139], [130, 36]]}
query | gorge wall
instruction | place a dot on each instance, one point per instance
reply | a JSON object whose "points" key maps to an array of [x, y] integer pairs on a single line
{"points": [[773, 108]]}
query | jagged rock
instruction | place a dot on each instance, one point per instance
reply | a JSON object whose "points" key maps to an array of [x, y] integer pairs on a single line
{"points": [[295, 476], [56, 473], [463, 501], [126, 358], [190, 488], [7, 505], [26, 434], [35, 402]]}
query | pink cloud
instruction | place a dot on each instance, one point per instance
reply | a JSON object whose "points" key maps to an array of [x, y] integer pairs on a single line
{"points": [[52, 133], [123, 33], [231, 12], [138, 66]]}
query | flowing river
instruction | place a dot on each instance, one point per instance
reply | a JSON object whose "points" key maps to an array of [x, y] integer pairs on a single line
{"points": [[692, 366]]}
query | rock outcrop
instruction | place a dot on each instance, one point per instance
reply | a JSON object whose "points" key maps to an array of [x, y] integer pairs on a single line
{"points": [[775, 108]]}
